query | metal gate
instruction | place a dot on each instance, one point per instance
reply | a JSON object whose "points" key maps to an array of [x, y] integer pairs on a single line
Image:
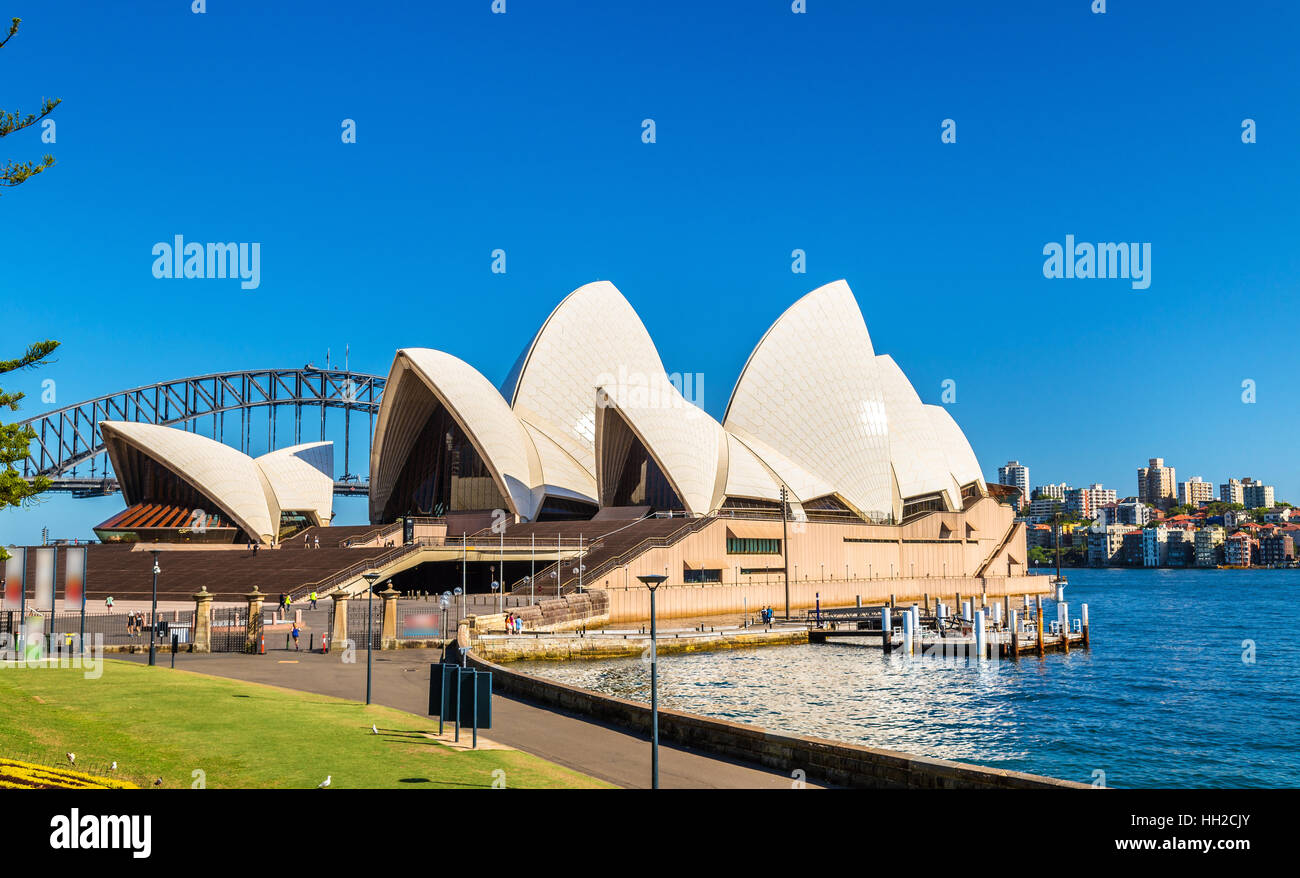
{"points": [[230, 631]]}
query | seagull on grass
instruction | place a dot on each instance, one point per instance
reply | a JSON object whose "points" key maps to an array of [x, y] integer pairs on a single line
{"points": [[72, 758], [325, 783], [157, 781], [113, 767], [373, 730]]}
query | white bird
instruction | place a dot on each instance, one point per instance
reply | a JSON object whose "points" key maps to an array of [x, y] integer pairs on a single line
{"points": [[373, 730], [157, 781], [113, 767], [72, 757], [325, 783]]}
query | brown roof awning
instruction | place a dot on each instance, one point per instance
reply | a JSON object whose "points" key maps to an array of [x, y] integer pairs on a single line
{"points": [[708, 564], [754, 530]]}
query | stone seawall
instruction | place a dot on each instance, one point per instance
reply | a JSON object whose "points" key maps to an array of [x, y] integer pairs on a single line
{"points": [[567, 613], [831, 762], [561, 648]]}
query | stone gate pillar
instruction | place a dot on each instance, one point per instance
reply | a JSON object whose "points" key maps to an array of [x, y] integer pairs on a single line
{"points": [[202, 639], [388, 638], [253, 626], [339, 634]]}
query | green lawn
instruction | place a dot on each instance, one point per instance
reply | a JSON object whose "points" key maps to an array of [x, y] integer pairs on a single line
{"points": [[157, 722]]}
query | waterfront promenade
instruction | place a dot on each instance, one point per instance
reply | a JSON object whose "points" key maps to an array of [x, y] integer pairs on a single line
{"points": [[401, 680]]}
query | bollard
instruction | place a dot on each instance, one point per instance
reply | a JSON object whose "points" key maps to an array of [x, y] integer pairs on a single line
{"points": [[1038, 614], [892, 602], [966, 612], [1083, 615], [886, 630], [1015, 634], [956, 603], [938, 615], [907, 633], [1006, 606], [927, 603], [980, 645], [1063, 616]]}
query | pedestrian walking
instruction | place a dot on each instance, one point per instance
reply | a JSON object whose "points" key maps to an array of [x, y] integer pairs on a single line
{"points": [[279, 605], [108, 603], [313, 599], [316, 545]]}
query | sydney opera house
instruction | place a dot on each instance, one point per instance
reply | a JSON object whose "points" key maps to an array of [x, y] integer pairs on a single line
{"points": [[589, 467], [182, 487]]}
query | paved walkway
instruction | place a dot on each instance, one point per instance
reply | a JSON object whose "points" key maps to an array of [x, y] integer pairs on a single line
{"points": [[401, 680]]}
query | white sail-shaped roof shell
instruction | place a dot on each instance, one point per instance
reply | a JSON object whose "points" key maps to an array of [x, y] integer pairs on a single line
{"points": [[229, 478], [919, 461], [961, 460], [811, 391], [688, 445], [420, 380], [592, 338], [303, 478]]}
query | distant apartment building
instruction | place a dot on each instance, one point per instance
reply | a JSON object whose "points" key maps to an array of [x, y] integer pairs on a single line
{"points": [[1276, 550], [1131, 512], [1155, 546], [1232, 492], [1084, 502], [1280, 515], [1157, 483], [1256, 495], [1195, 492], [1106, 545], [1131, 550], [1237, 550], [1182, 547], [1051, 492], [1044, 508], [1015, 475], [1208, 541]]}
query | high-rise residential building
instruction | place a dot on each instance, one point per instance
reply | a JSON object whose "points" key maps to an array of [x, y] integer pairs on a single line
{"points": [[1046, 507], [1155, 546], [1017, 476], [1195, 492], [1084, 502], [1256, 495], [1231, 492], [1157, 483], [1051, 492], [1106, 544], [1208, 541], [1276, 550], [1132, 512], [1237, 550]]}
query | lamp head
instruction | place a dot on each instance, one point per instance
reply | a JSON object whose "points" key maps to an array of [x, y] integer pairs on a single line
{"points": [[652, 580]]}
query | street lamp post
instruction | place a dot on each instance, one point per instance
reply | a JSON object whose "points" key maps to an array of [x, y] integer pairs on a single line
{"points": [[652, 581], [370, 601], [153, 611]]}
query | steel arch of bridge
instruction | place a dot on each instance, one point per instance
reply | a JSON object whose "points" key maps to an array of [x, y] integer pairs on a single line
{"points": [[70, 436]]}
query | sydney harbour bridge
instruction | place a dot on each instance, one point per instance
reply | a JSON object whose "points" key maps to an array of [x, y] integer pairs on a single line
{"points": [[69, 450]]}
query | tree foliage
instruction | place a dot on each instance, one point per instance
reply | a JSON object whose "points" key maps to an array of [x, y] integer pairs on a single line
{"points": [[14, 173]]}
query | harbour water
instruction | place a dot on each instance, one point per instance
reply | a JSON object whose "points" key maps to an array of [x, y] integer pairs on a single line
{"points": [[1169, 695]]}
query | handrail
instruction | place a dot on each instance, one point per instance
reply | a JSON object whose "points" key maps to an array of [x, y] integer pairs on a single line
{"points": [[378, 532], [355, 570], [697, 524]]}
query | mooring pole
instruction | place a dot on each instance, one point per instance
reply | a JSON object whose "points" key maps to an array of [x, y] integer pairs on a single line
{"points": [[1083, 616], [1038, 614]]}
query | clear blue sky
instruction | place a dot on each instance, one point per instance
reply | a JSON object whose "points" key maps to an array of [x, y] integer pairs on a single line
{"points": [[775, 131]]}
